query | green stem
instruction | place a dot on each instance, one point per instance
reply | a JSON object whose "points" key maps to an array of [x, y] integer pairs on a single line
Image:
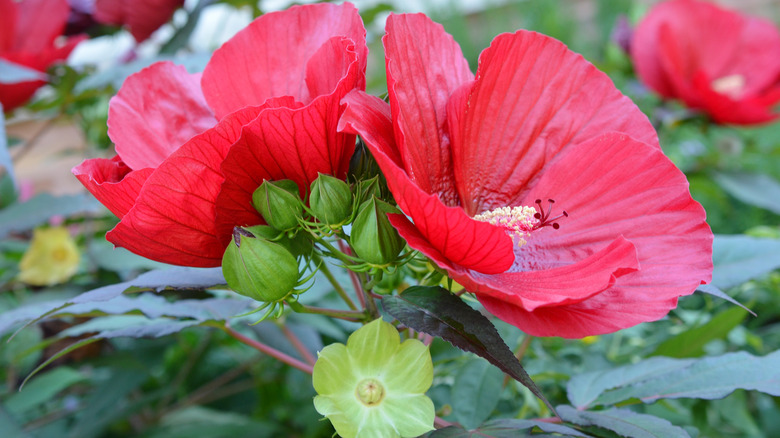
{"points": [[276, 354], [370, 303], [332, 250], [349, 315], [336, 285]]}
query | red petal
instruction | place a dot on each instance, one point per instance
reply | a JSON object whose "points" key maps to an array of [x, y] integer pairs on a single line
{"points": [[13, 96], [607, 312], [559, 286], [297, 142], [424, 66], [614, 186], [113, 183], [708, 39], [458, 238], [36, 29], [174, 217], [271, 56], [8, 24], [142, 17], [724, 109], [156, 111], [532, 98]]}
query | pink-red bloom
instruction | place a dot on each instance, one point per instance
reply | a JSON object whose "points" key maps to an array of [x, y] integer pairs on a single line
{"points": [[29, 32], [191, 149], [715, 60], [141, 17], [463, 156]]}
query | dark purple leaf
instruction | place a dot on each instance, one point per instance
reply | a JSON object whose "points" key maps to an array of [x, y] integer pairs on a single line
{"points": [[437, 312]]}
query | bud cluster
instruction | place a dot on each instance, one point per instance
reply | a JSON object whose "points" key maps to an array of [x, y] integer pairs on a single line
{"points": [[266, 262]]}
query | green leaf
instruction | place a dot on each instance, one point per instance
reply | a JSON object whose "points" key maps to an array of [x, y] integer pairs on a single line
{"points": [[120, 260], [714, 291], [507, 428], [5, 157], [100, 408], [437, 312], [173, 278], [624, 422], [584, 389], [707, 378], [739, 258], [41, 390], [475, 392], [10, 426], [199, 421], [27, 215], [147, 329], [758, 190], [690, 343], [12, 73]]}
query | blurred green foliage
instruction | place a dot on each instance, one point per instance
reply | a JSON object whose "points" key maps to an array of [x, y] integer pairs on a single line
{"points": [[201, 382]]}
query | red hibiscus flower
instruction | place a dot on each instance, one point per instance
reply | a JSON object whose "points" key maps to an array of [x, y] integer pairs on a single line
{"points": [[141, 17], [191, 150], [536, 185], [28, 37], [715, 60]]}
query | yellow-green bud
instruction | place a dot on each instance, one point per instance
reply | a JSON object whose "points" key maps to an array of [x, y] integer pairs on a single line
{"points": [[258, 268], [373, 238], [279, 203], [330, 200]]}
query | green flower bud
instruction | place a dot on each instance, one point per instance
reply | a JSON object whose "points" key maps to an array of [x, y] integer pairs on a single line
{"points": [[373, 238], [375, 385], [368, 188], [330, 200], [258, 268], [298, 245], [279, 203]]}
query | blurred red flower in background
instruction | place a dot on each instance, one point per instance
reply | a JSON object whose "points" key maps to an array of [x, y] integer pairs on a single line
{"points": [[29, 32], [141, 17], [715, 60], [483, 168], [191, 150]]}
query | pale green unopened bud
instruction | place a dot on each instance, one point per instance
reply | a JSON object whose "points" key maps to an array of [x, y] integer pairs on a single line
{"points": [[279, 203], [258, 268], [330, 200], [373, 238]]}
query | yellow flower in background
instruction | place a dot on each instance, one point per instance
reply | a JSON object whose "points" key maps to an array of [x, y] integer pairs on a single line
{"points": [[52, 257]]}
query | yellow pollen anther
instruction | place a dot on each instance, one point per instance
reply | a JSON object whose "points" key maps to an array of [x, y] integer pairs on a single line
{"points": [[731, 85], [518, 221]]}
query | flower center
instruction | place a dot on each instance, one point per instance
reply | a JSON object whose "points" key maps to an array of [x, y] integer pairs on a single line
{"points": [[370, 392], [520, 221], [731, 85]]}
